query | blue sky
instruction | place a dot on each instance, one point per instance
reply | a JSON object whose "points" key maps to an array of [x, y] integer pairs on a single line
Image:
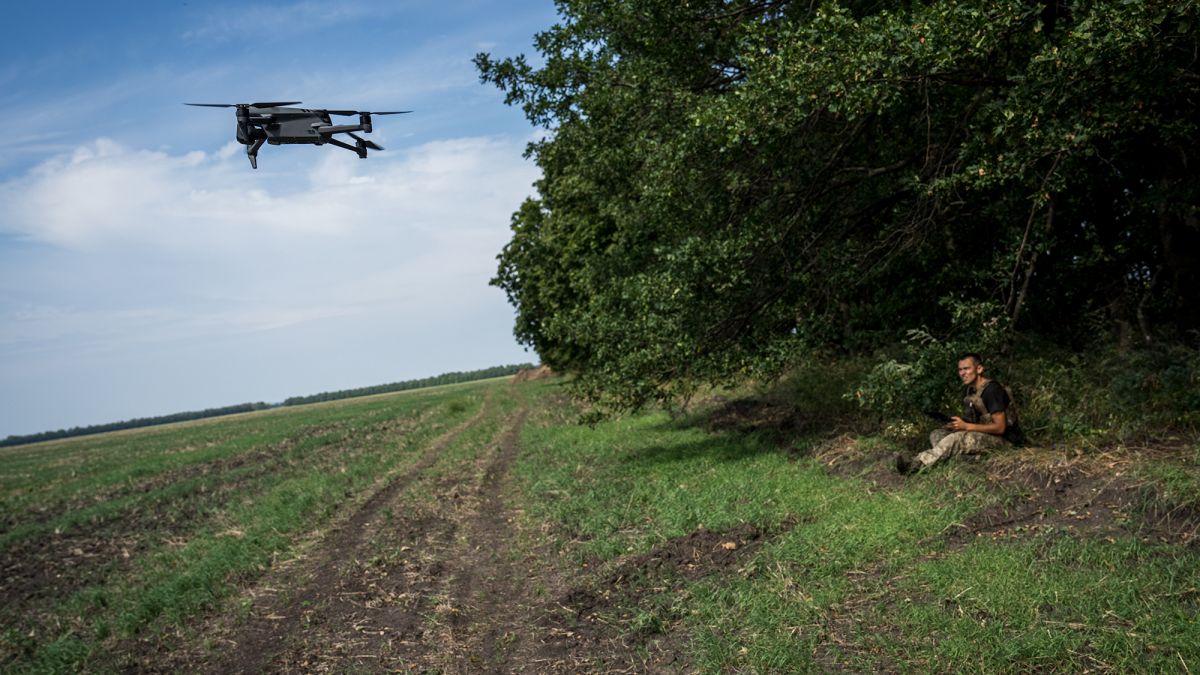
{"points": [[145, 269]]}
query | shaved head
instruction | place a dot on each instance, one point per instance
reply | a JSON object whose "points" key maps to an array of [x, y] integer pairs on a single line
{"points": [[973, 356]]}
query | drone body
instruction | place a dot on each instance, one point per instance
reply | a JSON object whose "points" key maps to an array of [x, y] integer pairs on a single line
{"points": [[259, 123]]}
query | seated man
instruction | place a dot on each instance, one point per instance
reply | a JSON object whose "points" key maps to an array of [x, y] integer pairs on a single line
{"points": [[989, 421]]}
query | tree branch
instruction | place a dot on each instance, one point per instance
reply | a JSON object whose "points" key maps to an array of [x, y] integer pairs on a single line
{"points": [[1016, 314]]}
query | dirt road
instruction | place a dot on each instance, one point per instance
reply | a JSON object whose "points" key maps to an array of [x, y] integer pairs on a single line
{"points": [[429, 573]]}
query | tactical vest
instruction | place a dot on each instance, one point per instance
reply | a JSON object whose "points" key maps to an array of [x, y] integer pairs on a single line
{"points": [[973, 403]]}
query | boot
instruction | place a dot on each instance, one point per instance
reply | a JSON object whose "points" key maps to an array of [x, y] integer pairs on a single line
{"points": [[906, 465]]}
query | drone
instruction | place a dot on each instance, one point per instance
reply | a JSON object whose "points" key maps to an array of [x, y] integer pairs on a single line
{"points": [[273, 123]]}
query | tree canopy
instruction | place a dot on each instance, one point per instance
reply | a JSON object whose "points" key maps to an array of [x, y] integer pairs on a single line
{"points": [[725, 182]]}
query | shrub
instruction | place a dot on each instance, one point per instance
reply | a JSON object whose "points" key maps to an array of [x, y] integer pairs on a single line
{"points": [[1101, 395], [898, 390]]}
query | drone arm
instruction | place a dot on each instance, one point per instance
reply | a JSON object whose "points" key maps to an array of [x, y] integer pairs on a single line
{"points": [[339, 128], [360, 151]]}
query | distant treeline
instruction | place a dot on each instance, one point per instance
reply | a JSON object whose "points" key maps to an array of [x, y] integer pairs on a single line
{"points": [[446, 378], [135, 423]]}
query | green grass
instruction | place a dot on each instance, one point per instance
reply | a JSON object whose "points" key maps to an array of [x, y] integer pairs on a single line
{"points": [[202, 528], [1065, 603], [846, 575], [853, 577]]}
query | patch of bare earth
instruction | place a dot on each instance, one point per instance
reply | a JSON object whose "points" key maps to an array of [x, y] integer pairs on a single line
{"points": [[505, 604], [1097, 497], [480, 621], [630, 618], [532, 374], [844, 456]]}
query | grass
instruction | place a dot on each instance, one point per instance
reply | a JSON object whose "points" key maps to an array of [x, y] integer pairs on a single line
{"points": [[839, 570], [855, 576], [201, 505]]}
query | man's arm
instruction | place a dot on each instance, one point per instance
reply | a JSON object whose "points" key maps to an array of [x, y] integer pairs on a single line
{"points": [[997, 426]]}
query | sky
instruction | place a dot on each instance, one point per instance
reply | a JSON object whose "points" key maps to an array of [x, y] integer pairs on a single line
{"points": [[146, 269]]}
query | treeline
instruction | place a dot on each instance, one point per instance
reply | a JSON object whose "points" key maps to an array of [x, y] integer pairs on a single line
{"points": [[438, 380], [134, 423], [733, 185], [445, 378]]}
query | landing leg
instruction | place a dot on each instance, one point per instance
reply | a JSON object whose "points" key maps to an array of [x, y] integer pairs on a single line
{"points": [[252, 151]]}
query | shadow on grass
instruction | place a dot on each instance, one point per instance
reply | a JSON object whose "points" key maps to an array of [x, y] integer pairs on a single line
{"points": [[724, 446], [767, 424]]}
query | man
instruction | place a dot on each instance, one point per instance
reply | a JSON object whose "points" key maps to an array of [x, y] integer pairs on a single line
{"points": [[989, 421]]}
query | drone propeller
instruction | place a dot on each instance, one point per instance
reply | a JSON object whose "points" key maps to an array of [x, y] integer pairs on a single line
{"points": [[364, 112], [266, 104]]}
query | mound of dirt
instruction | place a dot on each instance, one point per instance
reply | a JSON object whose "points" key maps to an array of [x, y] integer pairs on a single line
{"points": [[626, 615], [531, 374], [696, 555], [845, 457], [699, 554], [1072, 500]]}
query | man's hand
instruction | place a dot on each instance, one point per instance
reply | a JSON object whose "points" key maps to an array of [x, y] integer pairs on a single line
{"points": [[956, 424], [998, 425]]}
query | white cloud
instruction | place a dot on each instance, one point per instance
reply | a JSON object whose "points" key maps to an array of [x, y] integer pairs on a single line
{"points": [[103, 193], [199, 244]]}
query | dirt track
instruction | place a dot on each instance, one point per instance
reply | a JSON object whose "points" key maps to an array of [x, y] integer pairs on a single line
{"points": [[429, 573]]}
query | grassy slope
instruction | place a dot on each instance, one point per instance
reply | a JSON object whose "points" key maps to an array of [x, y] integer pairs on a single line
{"points": [[149, 530]]}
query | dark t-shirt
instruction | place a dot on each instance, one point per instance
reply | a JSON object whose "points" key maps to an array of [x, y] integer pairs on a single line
{"points": [[995, 400]]}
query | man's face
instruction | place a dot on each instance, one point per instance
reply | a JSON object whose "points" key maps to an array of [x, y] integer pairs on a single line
{"points": [[969, 371]]}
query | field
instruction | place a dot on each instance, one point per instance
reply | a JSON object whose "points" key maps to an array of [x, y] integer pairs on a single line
{"points": [[480, 528]]}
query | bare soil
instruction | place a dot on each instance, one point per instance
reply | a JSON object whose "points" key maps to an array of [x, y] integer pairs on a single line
{"points": [[531, 374], [355, 601], [1079, 500]]}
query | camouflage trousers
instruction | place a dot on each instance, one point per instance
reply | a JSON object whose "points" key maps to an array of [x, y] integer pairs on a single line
{"points": [[950, 443]]}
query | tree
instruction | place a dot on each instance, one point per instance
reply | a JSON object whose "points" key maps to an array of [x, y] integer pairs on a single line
{"points": [[726, 182]]}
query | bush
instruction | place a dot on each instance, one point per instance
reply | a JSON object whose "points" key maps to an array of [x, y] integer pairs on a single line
{"points": [[1102, 395], [1108, 395], [899, 390]]}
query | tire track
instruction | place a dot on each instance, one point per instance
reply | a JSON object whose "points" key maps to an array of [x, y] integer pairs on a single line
{"points": [[503, 602], [486, 608], [263, 641], [442, 593]]}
